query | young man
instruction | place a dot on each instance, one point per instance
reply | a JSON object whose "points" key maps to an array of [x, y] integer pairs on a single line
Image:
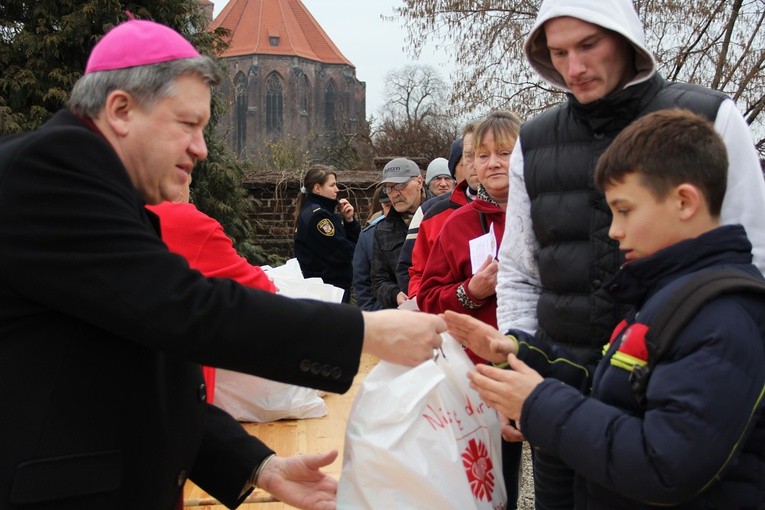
{"points": [[700, 436], [103, 330], [556, 253]]}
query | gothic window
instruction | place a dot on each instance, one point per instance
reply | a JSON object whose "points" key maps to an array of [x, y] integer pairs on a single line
{"points": [[274, 105], [303, 95], [241, 114], [329, 107]]}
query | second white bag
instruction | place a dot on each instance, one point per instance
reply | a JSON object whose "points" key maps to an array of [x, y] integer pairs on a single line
{"points": [[422, 438], [250, 398]]}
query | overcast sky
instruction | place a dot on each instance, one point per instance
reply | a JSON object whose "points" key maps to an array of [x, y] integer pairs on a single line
{"points": [[373, 45]]}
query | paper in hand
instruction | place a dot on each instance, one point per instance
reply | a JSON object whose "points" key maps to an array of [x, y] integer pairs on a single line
{"points": [[481, 248]]}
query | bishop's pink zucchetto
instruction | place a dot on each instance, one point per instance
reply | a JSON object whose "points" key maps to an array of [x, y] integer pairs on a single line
{"points": [[138, 43]]}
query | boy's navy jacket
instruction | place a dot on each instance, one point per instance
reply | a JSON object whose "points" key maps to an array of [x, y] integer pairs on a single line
{"points": [[702, 430]]}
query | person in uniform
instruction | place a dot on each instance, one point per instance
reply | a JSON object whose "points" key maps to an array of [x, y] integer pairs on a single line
{"points": [[324, 239]]}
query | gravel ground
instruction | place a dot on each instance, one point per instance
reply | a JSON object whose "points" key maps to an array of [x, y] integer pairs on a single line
{"points": [[526, 496]]}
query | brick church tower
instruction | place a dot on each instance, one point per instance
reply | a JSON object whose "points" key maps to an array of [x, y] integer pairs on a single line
{"points": [[285, 76]]}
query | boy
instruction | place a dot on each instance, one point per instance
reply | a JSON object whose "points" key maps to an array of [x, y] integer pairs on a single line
{"points": [[700, 438]]}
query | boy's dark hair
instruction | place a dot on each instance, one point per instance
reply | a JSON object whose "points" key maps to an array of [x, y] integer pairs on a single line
{"points": [[668, 148]]}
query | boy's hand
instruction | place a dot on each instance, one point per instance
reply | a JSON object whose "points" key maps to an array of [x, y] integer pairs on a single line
{"points": [[479, 337], [510, 430], [505, 390]]}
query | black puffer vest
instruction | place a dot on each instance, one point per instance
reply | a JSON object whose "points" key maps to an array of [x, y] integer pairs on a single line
{"points": [[571, 217]]}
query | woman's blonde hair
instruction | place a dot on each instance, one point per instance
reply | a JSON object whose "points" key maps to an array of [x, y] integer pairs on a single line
{"points": [[503, 124]]}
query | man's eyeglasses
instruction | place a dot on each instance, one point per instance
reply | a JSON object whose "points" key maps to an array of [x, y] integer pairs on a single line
{"points": [[398, 187]]}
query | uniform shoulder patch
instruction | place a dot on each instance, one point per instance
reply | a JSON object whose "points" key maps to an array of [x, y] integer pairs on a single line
{"points": [[326, 227]]}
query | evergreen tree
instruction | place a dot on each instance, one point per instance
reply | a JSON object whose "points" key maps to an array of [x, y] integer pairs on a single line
{"points": [[44, 46]]}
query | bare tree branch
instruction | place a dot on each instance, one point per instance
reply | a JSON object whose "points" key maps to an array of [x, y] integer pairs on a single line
{"points": [[716, 43]]}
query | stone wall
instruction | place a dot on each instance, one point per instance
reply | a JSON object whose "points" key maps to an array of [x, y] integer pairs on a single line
{"points": [[275, 196]]}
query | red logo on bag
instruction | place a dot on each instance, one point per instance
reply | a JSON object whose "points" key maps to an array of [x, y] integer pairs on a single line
{"points": [[479, 469]]}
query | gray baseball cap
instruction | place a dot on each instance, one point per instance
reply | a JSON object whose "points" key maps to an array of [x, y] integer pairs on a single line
{"points": [[400, 170]]}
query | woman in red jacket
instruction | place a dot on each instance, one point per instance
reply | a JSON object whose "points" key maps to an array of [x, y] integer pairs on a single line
{"points": [[200, 239], [448, 282]]}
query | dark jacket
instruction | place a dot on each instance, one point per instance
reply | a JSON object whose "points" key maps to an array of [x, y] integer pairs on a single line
{"points": [[362, 267], [427, 233], [704, 412], [324, 242], [386, 247], [405, 256], [570, 216], [103, 330]]}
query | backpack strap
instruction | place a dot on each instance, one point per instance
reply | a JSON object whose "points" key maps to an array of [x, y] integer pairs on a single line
{"points": [[675, 313], [681, 307]]}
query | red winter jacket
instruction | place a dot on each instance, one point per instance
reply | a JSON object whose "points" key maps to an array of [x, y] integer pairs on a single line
{"points": [[449, 264], [200, 239], [429, 228]]}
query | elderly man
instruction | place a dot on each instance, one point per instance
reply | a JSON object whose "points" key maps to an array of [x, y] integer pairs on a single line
{"points": [[438, 178], [103, 330], [403, 183], [556, 253]]}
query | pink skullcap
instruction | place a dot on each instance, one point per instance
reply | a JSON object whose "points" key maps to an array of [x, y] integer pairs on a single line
{"points": [[138, 43]]}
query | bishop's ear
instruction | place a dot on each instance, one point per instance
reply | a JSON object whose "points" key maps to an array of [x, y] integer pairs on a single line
{"points": [[118, 110]]}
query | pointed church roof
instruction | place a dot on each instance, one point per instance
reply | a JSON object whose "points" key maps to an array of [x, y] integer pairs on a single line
{"points": [[255, 26]]}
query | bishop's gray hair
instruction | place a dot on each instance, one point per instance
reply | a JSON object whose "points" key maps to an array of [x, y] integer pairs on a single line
{"points": [[147, 84]]}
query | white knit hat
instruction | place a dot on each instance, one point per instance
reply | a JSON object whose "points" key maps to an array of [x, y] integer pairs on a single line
{"points": [[437, 167]]}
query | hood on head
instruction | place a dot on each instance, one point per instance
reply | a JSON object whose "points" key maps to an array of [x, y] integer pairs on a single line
{"points": [[616, 15], [455, 155]]}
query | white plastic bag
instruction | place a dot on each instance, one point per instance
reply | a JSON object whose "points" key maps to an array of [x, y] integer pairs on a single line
{"points": [[253, 399], [422, 438], [288, 278]]}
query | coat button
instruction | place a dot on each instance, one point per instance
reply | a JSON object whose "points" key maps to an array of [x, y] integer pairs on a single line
{"points": [[305, 365], [202, 393], [315, 368], [597, 284], [336, 373], [326, 370], [182, 476]]}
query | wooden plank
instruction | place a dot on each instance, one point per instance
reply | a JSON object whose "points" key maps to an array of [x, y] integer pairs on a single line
{"points": [[292, 437]]}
